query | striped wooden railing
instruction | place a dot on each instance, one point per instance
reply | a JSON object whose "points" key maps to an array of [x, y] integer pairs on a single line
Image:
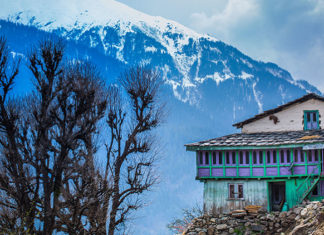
{"points": [[307, 185]]}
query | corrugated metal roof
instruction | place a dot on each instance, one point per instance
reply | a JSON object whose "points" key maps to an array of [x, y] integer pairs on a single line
{"points": [[264, 139]]}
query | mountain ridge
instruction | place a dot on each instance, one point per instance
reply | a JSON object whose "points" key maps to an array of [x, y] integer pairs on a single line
{"points": [[185, 58]]}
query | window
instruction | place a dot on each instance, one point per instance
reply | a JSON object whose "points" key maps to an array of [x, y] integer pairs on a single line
{"points": [[302, 157], [214, 158], [220, 158], [310, 157], [282, 156], [235, 191], [231, 191], [311, 121], [316, 156], [241, 157], [268, 157], [206, 158], [240, 190], [254, 158], [274, 155], [296, 155], [247, 159], [288, 156], [200, 158], [233, 158], [316, 190], [227, 158], [260, 158]]}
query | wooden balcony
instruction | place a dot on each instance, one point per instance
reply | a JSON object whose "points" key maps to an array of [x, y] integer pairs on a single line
{"points": [[256, 163]]}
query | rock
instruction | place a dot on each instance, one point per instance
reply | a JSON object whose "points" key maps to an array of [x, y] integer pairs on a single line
{"points": [[303, 213], [231, 230], [263, 210], [277, 225], [284, 224], [257, 227], [252, 209], [201, 233], [221, 226], [239, 215], [291, 217], [298, 229], [210, 231], [297, 210], [213, 220], [241, 220], [310, 206], [264, 222], [270, 217], [283, 214]]}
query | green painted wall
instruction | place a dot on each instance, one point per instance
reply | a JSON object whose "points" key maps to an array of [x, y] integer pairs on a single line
{"points": [[256, 192], [291, 188]]}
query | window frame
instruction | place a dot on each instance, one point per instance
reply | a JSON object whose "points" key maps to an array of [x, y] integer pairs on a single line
{"points": [[207, 158], [306, 112], [318, 191], [201, 158], [236, 194]]}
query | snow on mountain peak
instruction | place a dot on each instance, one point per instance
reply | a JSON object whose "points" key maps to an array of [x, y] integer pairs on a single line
{"points": [[75, 18], [186, 58], [73, 14]]}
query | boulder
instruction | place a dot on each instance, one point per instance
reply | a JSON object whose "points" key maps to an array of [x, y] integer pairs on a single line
{"points": [[210, 231], [303, 213], [221, 227], [257, 228]]}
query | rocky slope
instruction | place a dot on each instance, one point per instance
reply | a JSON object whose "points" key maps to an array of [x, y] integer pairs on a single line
{"points": [[307, 218]]}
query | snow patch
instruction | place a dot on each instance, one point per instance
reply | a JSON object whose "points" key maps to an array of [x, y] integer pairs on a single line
{"points": [[150, 49], [257, 96], [244, 61], [275, 73], [245, 75]]}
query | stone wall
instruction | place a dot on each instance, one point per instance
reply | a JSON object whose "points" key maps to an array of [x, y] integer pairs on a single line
{"points": [[299, 220]]}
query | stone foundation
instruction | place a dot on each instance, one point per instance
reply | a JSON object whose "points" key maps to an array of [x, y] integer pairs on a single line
{"points": [[298, 220]]}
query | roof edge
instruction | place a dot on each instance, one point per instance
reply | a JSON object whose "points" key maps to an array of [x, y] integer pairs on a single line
{"points": [[278, 109]]}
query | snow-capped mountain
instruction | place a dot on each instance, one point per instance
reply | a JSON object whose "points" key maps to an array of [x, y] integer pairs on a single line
{"points": [[208, 84], [186, 58]]}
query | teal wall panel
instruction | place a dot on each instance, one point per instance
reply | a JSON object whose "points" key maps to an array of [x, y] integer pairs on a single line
{"points": [[216, 195]]}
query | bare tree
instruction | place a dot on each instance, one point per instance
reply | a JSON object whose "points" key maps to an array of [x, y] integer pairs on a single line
{"points": [[49, 180], [130, 152], [46, 143], [179, 225]]}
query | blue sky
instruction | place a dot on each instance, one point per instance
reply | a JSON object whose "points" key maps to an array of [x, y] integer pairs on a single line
{"points": [[289, 33]]}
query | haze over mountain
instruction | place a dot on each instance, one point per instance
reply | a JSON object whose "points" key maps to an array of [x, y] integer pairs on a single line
{"points": [[208, 84]]}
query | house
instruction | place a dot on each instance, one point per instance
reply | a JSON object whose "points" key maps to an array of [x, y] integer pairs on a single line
{"points": [[275, 162]]}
